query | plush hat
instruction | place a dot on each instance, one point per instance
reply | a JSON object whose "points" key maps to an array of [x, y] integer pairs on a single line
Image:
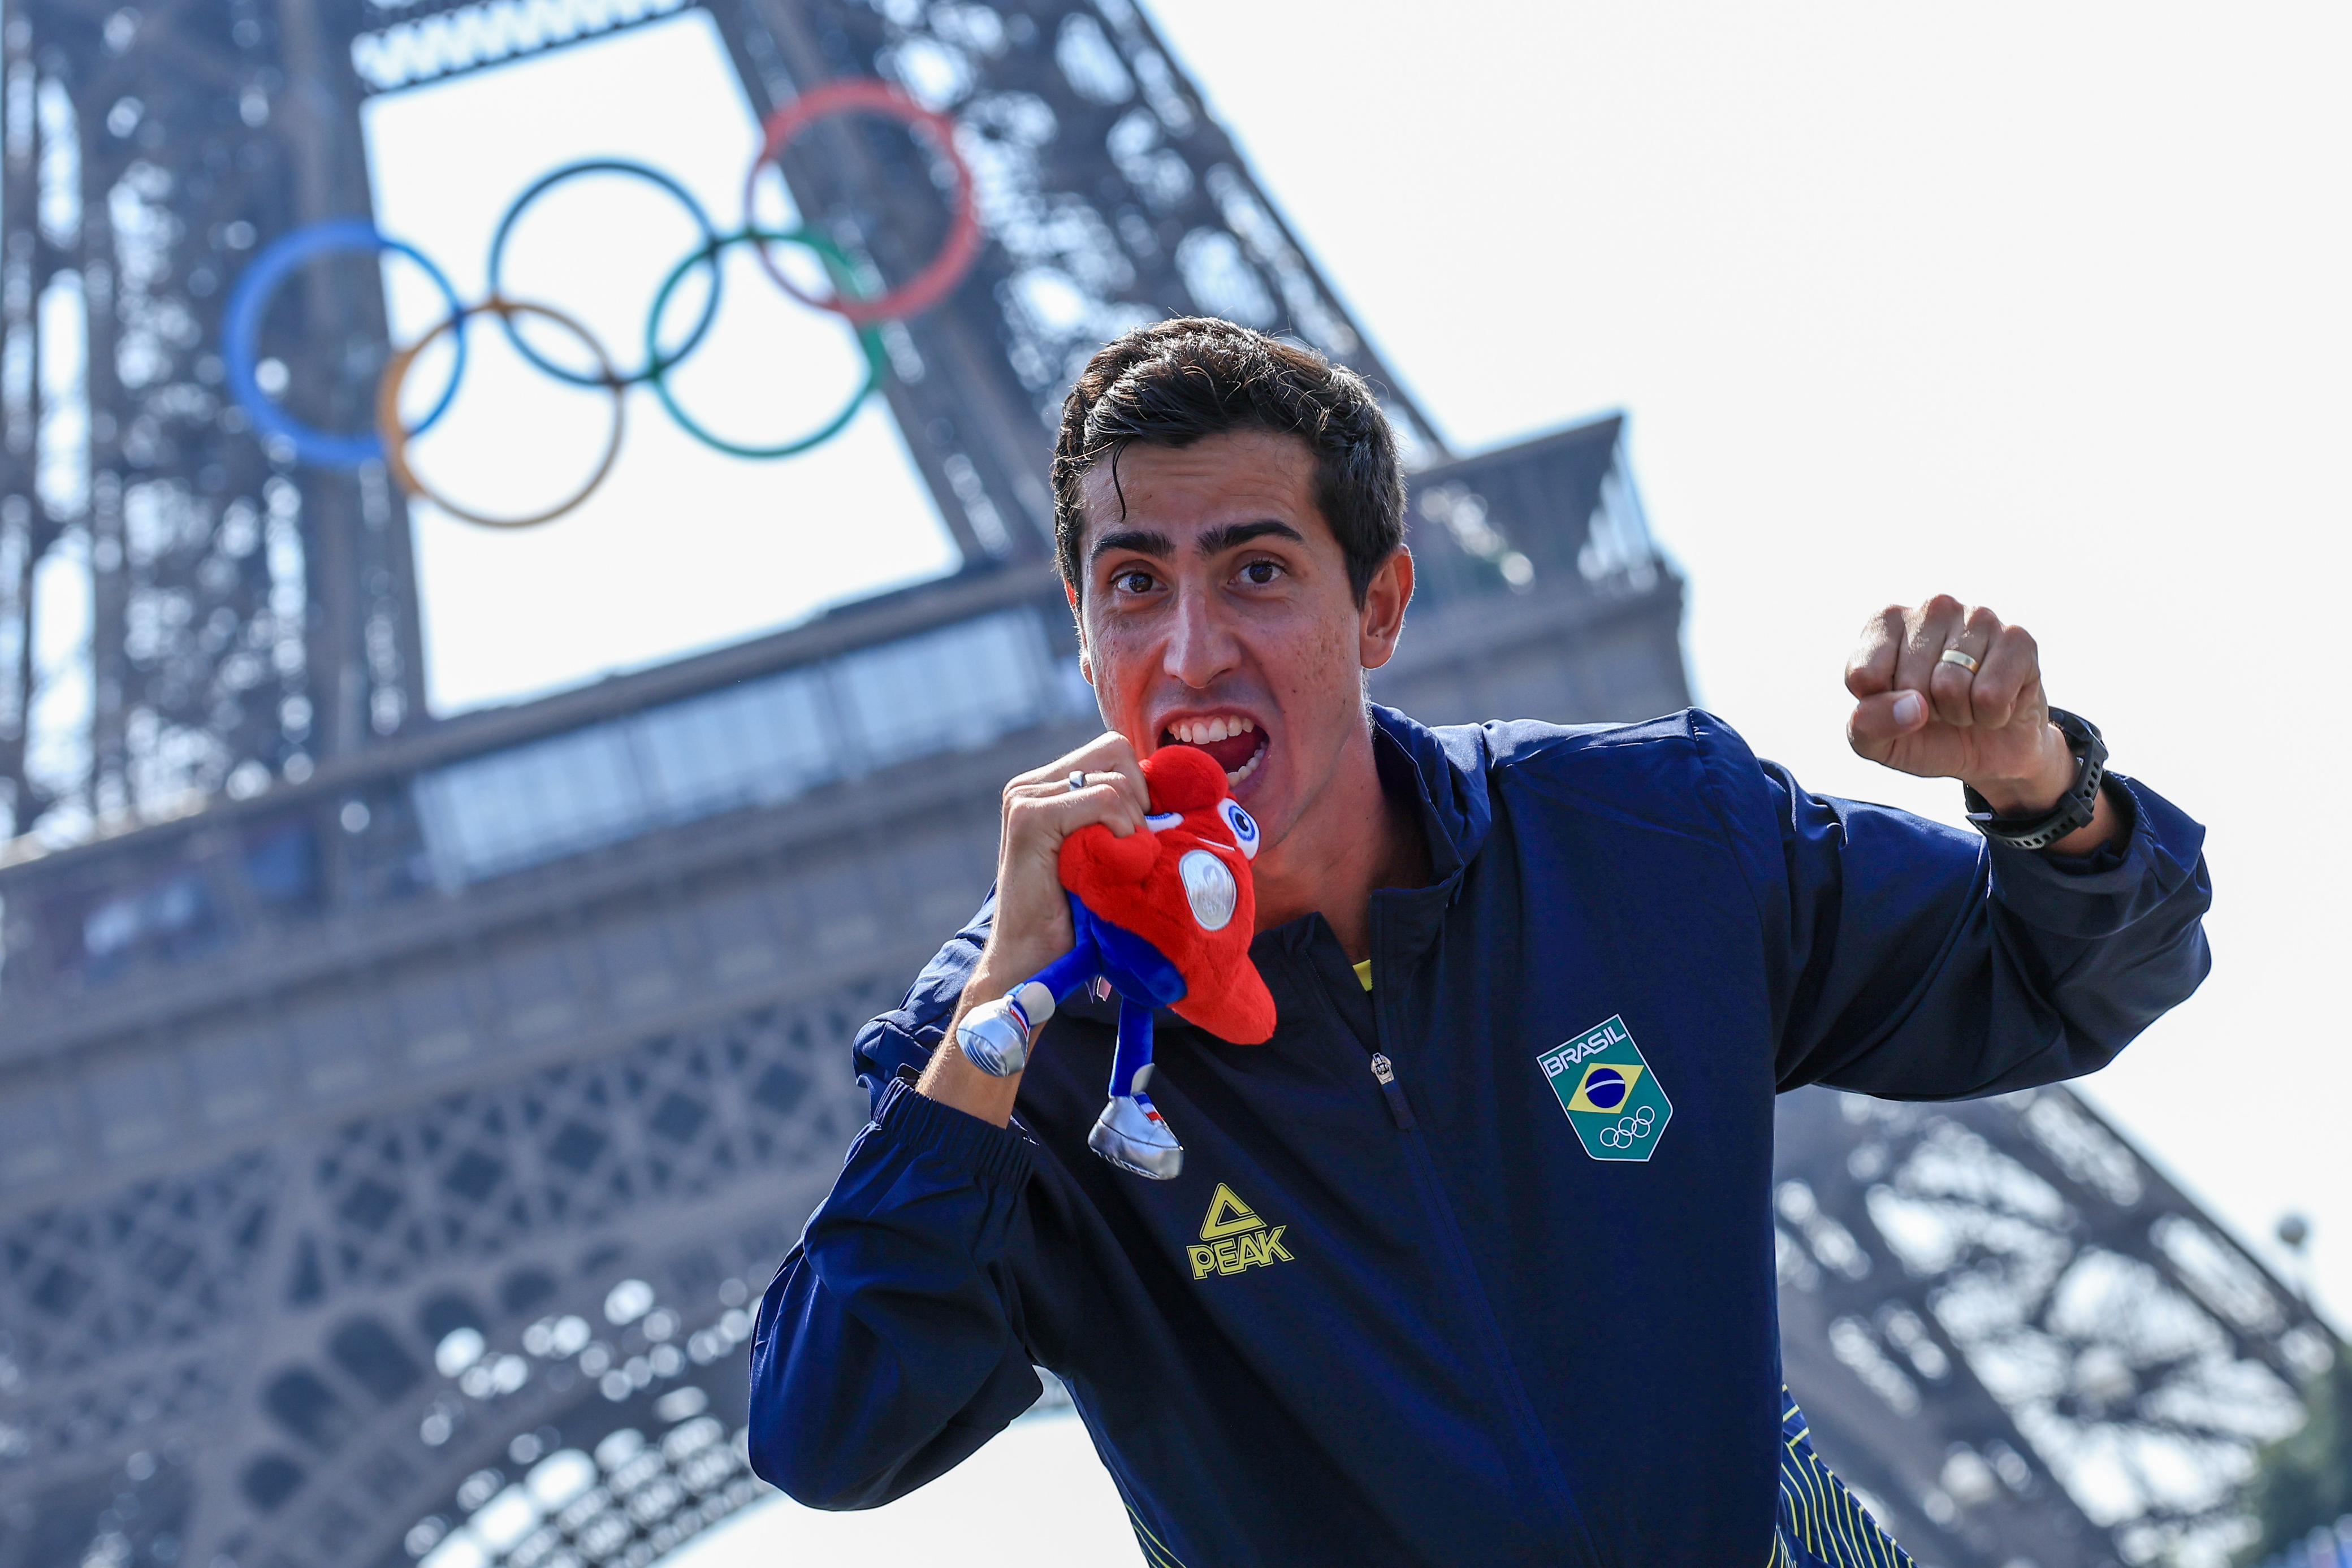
{"points": [[1184, 886]]}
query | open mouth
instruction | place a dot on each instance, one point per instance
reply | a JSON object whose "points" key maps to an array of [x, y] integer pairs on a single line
{"points": [[1235, 743]]}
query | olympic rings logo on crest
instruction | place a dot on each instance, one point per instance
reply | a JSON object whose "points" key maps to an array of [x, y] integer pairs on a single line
{"points": [[1629, 1130], [388, 442]]}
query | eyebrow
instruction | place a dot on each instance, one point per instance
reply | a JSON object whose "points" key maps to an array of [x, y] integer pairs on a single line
{"points": [[1142, 542], [1218, 540], [1214, 541]]}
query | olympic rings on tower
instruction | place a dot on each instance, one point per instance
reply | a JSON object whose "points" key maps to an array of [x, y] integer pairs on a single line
{"points": [[396, 439], [869, 339], [389, 443], [655, 361], [927, 288], [241, 337]]}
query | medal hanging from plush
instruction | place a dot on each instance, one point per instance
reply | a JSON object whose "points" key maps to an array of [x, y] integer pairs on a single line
{"points": [[1165, 916]]}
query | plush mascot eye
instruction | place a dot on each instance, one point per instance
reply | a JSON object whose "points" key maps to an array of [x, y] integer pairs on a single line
{"points": [[1160, 821], [1245, 829]]}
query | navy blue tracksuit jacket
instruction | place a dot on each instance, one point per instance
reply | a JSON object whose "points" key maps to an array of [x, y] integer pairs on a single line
{"points": [[1431, 1321]]}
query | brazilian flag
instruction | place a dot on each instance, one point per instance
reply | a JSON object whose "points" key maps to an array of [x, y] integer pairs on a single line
{"points": [[1613, 1099]]}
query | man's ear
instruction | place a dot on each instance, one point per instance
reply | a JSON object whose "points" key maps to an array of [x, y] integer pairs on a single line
{"points": [[1381, 621], [1078, 622]]}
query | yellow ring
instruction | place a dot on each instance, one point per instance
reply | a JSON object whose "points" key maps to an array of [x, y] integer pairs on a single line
{"points": [[395, 434], [1958, 656]]}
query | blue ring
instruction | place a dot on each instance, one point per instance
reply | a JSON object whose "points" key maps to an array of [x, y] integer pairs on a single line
{"points": [[241, 334]]}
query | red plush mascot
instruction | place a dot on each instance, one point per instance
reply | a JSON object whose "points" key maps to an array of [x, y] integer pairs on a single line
{"points": [[1166, 917]]}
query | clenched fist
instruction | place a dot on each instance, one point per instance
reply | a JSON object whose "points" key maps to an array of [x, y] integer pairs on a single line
{"points": [[1101, 781], [1947, 690]]}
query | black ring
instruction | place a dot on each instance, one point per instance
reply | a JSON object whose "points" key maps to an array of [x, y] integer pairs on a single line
{"points": [[657, 362]]}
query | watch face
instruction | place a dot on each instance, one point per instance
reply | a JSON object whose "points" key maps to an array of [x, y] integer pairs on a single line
{"points": [[2082, 737]]}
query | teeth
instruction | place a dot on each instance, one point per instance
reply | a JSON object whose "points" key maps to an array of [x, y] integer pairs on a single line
{"points": [[1232, 779], [1201, 731]]}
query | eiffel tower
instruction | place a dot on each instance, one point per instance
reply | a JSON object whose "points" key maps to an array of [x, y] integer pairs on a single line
{"points": [[399, 1116]]}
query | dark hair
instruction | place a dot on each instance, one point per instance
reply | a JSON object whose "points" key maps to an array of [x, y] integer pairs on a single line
{"points": [[1170, 384]]}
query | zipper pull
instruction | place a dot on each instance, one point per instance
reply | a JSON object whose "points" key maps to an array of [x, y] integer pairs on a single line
{"points": [[1390, 1089]]}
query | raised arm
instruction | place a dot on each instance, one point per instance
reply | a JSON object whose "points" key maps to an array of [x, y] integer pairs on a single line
{"points": [[1917, 961]]}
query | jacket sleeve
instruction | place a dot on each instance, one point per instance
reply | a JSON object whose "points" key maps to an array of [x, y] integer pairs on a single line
{"points": [[1915, 961], [890, 1346]]}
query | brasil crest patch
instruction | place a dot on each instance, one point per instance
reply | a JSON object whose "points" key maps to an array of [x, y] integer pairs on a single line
{"points": [[1613, 1099]]}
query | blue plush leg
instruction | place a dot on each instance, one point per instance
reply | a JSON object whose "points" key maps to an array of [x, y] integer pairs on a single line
{"points": [[995, 1036], [1071, 971], [1134, 1053], [1130, 1132]]}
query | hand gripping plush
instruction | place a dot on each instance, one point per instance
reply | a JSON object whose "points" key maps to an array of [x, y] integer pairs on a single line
{"points": [[1166, 917]]}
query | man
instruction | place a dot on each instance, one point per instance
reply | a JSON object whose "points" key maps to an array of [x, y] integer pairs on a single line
{"points": [[1471, 1264]]}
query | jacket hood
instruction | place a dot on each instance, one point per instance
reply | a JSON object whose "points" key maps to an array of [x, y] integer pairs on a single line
{"points": [[1445, 771]]}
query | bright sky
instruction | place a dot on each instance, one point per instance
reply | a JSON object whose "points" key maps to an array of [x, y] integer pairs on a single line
{"points": [[2043, 306], [1035, 1497]]}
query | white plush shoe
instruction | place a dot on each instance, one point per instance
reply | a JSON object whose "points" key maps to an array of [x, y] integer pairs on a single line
{"points": [[995, 1035], [1134, 1137]]}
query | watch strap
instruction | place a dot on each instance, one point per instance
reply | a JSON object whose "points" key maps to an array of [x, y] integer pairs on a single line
{"points": [[2075, 809]]}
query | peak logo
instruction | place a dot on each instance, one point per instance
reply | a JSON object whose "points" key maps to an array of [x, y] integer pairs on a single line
{"points": [[1233, 1239]]}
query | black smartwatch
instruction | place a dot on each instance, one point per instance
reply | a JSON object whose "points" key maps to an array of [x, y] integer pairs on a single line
{"points": [[2074, 808]]}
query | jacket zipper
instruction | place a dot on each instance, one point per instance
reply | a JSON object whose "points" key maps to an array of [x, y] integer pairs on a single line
{"points": [[1482, 1311], [1390, 1091]]}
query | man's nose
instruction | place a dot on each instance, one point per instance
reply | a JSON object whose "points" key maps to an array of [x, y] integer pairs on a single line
{"points": [[1201, 646]]}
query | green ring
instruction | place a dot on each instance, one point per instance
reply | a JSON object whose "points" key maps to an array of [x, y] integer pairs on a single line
{"points": [[868, 337]]}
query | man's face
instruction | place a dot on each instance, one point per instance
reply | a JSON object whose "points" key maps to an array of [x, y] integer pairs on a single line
{"points": [[1216, 613]]}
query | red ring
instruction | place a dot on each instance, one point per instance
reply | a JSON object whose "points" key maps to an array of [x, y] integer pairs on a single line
{"points": [[927, 288]]}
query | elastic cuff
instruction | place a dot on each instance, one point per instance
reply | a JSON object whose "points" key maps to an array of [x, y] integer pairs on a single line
{"points": [[984, 1148], [2113, 854]]}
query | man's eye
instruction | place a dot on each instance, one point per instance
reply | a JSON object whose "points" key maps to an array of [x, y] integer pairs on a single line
{"points": [[1133, 581], [1261, 573]]}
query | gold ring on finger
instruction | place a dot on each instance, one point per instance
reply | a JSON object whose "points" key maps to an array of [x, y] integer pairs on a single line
{"points": [[1965, 661]]}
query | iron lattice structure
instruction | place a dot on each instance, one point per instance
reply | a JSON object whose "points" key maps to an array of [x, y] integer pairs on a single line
{"points": [[180, 615], [2020, 1338], [248, 620], [390, 1149]]}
